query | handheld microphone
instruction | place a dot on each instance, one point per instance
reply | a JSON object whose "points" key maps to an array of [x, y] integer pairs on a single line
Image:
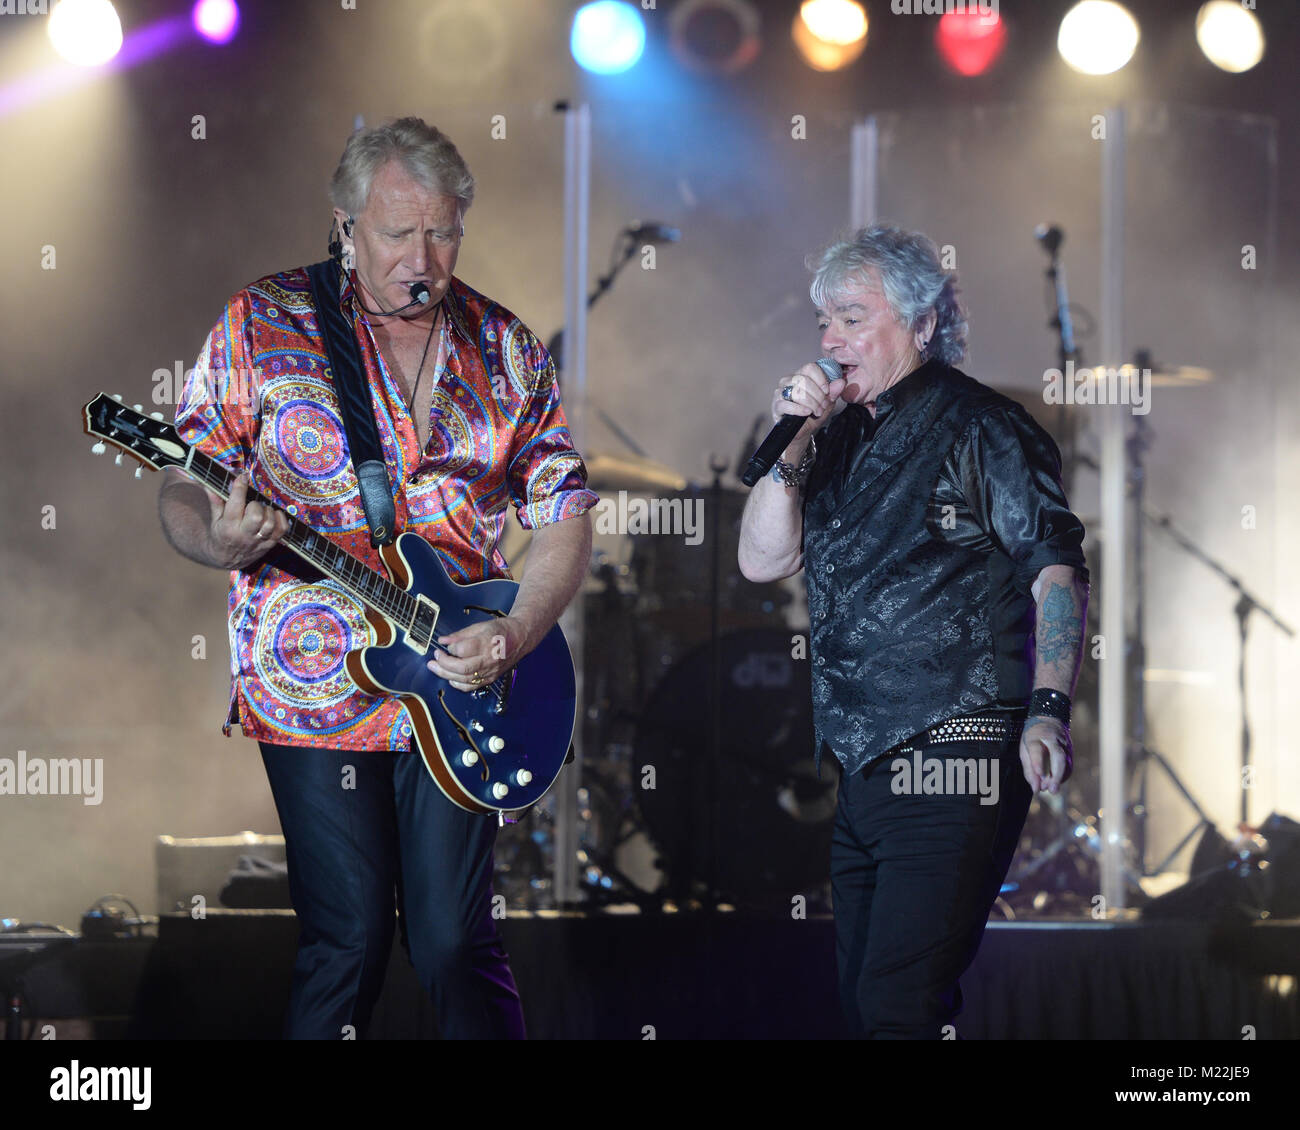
{"points": [[783, 431]]}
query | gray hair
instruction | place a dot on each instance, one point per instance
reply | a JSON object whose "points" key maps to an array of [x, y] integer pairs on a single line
{"points": [[913, 281], [424, 151]]}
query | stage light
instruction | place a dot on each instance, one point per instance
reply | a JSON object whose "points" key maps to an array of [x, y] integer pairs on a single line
{"points": [[830, 34], [970, 42], [715, 36], [216, 20], [85, 32], [608, 37], [1097, 37], [1230, 35]]}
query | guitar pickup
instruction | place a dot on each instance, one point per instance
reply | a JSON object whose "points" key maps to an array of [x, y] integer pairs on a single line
{"points": [[420, 633]]}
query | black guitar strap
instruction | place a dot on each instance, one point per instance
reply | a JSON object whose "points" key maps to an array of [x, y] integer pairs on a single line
{"points": [[353, 391]]}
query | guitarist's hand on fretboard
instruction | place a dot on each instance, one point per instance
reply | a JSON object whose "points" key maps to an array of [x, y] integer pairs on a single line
{"points": [[243, 531]]}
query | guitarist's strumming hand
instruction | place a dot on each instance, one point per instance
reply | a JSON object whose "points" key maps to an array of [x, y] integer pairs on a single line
{"points": [[243, 532], [474, 656]]}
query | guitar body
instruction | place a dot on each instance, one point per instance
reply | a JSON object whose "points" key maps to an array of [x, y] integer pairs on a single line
{"points": [[522, 723]]}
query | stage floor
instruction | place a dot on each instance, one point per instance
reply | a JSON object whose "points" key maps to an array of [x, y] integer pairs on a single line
{"points": [[698, 976]]}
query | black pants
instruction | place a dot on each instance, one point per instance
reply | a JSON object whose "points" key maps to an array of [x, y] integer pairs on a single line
{"points": [[913, 878], [392, 839]]}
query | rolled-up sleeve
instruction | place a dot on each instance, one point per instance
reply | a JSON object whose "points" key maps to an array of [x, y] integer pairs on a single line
{"points": [[1011, 477], [218, 404], [547, 477]]}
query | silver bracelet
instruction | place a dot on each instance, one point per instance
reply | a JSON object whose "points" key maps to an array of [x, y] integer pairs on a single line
{"points": [[795, 476]]}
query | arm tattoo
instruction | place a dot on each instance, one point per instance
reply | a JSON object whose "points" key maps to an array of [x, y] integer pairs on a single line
{"points": [[1060, 627]]}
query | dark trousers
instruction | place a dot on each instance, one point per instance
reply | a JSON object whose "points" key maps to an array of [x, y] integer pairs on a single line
{"points": [[913, 878], [354, 853]]}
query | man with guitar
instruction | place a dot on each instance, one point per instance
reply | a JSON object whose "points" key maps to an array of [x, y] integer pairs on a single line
{"points": [[469, 420]]}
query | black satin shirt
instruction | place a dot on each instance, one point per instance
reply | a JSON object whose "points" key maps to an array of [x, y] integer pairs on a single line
{"points": [[923, 530]]}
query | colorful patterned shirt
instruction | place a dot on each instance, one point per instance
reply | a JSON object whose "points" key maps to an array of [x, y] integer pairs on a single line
{"points": [[261, 398]]}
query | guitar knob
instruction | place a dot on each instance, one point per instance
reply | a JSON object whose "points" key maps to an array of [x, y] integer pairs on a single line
{"points": [[499, 790], [496, 745], [469, 757], [97, 449], [522, 776]]}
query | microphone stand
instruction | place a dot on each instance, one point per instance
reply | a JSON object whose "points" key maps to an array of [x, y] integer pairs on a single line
{"points": [[1246, 604], [555, 346], [718, 467], [1067, 350]]}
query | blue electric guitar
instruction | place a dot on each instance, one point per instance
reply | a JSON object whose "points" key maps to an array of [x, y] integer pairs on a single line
{"points": [[497, 749]]}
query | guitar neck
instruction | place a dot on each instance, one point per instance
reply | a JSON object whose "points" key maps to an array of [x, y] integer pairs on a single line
{"points": [[376, 591]]}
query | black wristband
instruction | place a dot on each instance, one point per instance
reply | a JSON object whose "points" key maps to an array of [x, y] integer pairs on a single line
{"points": [[1047, 703]]}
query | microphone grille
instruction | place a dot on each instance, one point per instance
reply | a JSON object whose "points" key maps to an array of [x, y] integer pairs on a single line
{"points": [[831, 368]]}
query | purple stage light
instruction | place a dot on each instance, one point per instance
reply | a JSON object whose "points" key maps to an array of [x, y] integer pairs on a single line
{"points": [[216, 20]]}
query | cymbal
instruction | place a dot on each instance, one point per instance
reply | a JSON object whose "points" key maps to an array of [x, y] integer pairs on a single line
{"points": [[630, 472], [1170, 376]]}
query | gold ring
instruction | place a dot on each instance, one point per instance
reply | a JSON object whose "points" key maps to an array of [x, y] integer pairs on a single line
{"points": [[474, 677]]}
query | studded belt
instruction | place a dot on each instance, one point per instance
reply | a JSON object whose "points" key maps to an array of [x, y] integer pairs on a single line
{"points": [[967, 728]]}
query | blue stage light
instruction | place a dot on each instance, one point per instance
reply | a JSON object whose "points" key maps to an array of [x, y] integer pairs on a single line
{"points": [[608, 36]]}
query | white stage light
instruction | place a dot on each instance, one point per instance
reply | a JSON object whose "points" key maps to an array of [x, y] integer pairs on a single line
{"points": [[1230, 35], [1097, 37], [85, 32]]}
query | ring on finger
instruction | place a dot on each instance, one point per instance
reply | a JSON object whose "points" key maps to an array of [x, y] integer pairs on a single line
{"points": [[785, 392]]}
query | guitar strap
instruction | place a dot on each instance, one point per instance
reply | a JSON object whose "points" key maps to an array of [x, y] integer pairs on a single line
{"points": [[353, 391]]}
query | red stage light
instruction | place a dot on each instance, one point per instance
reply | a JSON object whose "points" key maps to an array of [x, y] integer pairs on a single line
{"points": [[970, 42]]}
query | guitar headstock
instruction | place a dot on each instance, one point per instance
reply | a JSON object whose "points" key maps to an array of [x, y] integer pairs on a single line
{"points": [[149, 439]]}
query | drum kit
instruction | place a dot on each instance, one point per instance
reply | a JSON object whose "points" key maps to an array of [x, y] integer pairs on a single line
{"points": [[668, 817]]}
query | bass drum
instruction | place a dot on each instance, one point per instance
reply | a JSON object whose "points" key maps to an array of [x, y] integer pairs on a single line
{"points": [[773, 813]]}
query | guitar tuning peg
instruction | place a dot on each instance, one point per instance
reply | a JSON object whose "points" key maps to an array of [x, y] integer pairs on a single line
{"points": [[118, 461], [138, 407], [155, 415], [118, 397], [97, 449], [139, 472]]}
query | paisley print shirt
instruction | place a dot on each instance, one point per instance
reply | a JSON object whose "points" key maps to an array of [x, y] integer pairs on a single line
{"points": [[924, 529], [261, 398]]}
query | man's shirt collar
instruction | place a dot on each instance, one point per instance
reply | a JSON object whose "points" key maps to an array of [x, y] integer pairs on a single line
{"points": [[898, 396]]}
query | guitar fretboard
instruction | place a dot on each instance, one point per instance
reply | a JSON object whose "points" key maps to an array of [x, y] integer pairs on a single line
{"points": [[355, 575]]}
